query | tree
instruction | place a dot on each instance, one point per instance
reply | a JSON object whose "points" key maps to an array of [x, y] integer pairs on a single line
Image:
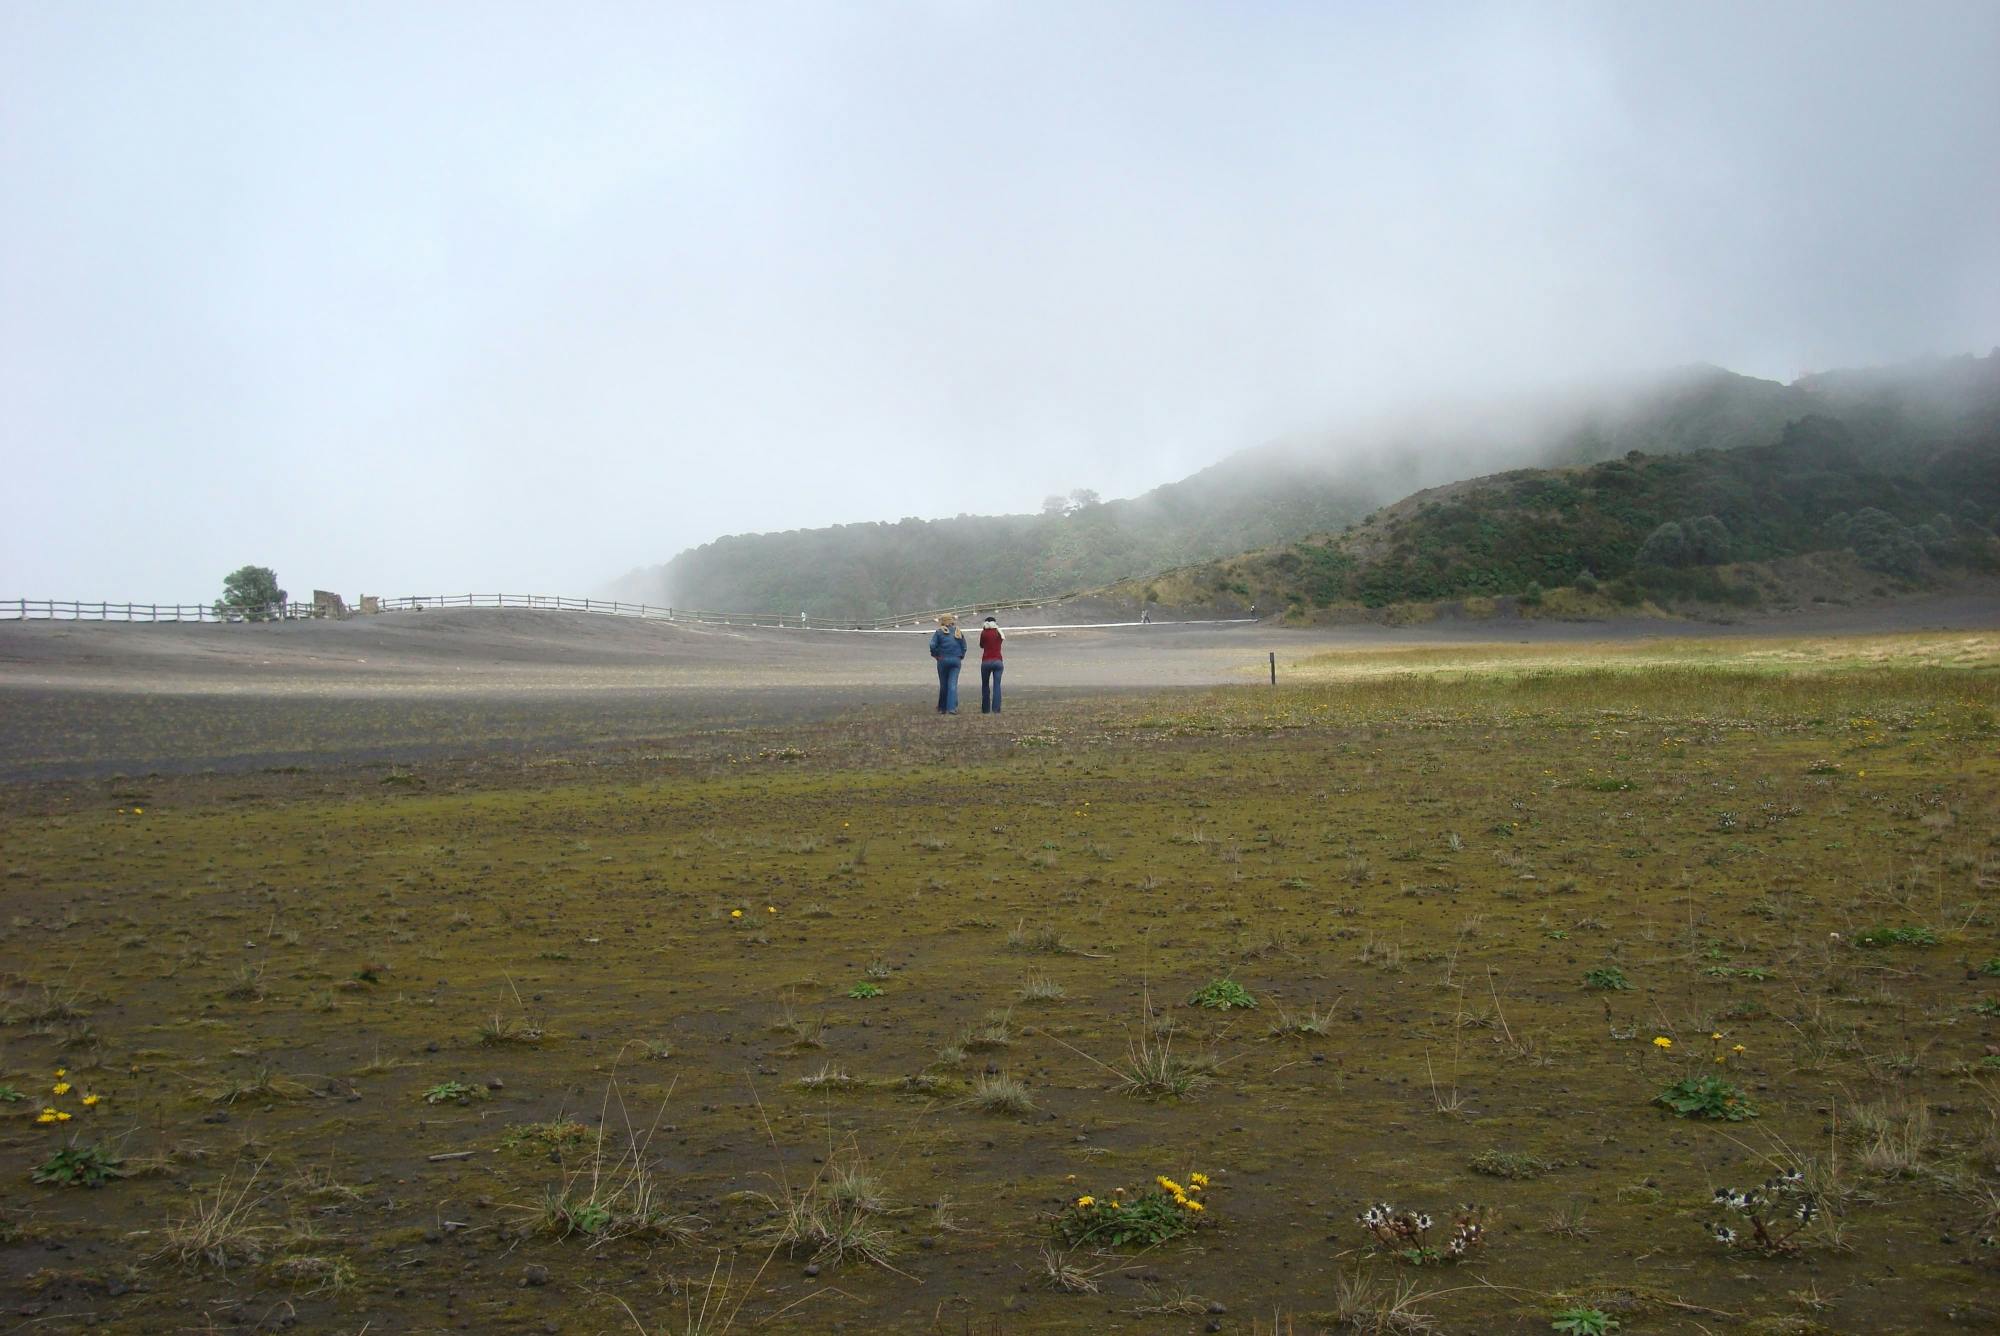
{"points": [[1054, 505], [1665, 546], [1708, 541], [251, 588], [1082, 499]]}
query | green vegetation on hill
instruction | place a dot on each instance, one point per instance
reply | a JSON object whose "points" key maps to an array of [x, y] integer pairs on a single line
{"points": [[1708, 466], [1906, 495], [1256, 498], [876, 570]]}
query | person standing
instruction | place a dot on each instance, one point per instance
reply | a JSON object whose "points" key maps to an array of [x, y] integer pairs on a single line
{"points": [[948, 648], [990, 664]]}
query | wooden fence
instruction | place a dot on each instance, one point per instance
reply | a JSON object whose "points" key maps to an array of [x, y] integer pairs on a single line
{"points": [[44, 609], [75, 610]]}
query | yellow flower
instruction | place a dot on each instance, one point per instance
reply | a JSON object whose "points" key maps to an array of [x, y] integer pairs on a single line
{"points": [[1716, 1035], [1085, 1203], [1719, 1058], [62, 1117], [138, 811], [91, 1101], [1198, 1179], [770, 909], [1737, 1049], [61, 1072], [1661, 1041], [1168, 1185], [60, 1087], [46, 1116], [736, 913], [1191, 1205]]}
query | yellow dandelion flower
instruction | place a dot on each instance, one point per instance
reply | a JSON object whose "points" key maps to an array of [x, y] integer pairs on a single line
{"points": [[1085, 1203], [61, 1072], [1738, 1049], [92, 1101], [60, 1087], [1661, 1041], [1716, 1035], [770, 909], [62, 1117], [1192, 1205], [736, 913], [46, 1116], [1200, 1180]]}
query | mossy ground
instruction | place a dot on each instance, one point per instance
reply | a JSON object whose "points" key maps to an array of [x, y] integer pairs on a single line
{"points": [[263, 974]]}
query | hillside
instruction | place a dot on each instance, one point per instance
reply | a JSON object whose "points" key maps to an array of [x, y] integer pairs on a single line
{"points": [[1256, 498], [1899, 468]]}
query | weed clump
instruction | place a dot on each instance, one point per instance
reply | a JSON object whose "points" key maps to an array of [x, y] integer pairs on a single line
{"points": [[1222, 995], [1776, 1211], [1164, 1211], [79, 1166], [1407, 1234], [1508, 1164], [1705, 1097]]}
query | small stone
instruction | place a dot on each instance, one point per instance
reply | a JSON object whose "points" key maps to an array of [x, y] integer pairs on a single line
{"points": [[534, 1274], [1216, 1306], [431, 1047], [812, 1268], [495, 1083]]}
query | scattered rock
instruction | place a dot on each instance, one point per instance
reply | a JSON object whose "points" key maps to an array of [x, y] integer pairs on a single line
{"points": [[534, 1274]]}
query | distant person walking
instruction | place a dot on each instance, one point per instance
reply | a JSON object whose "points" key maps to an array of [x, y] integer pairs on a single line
{"points": [[991, 638], [948, 648]]}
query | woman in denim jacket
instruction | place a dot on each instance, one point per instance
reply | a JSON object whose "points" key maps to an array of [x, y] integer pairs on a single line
{"points": [[948, 648]]}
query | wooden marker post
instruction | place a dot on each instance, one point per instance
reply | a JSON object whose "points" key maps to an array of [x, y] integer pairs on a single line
{"points": [[1274, 667]]}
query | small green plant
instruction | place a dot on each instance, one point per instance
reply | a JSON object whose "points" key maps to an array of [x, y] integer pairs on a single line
{"points": [[555, 1136], [1002, 1095], [1508, 1164], [1991, 968], [1985, 1006], [1607, 977], [10, 1095], [1754, 973], [1905, 936], [1705, 1097], [865, 989], [445, 1092], [1583, 1322], [77, 1166], [1222, 995], [1164, 1211]]}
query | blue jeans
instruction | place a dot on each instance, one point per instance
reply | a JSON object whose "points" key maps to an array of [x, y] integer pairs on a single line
{"points": [[989, 686], [948, 685]]}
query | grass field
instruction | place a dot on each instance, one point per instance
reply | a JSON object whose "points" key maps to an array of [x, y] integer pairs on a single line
{"points": [[830, 1027]]}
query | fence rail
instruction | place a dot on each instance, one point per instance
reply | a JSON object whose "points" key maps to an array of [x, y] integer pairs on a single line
{"points": [[47, 609], [84, 610]]}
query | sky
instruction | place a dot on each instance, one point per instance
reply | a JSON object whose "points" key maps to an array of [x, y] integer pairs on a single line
{"points": [[413, 299]]}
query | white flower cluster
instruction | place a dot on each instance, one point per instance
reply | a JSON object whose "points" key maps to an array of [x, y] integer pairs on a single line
{"points": [[1777, 1209]]}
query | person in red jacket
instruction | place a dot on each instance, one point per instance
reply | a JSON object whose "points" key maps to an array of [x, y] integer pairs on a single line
{"points": [[990, 664]]}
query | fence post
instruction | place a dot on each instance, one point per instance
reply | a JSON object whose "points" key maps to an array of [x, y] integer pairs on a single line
{"points": [[1274, 667]]}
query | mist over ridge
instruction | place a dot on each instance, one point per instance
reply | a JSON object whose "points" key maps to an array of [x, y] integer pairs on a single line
{"points": [[1289, 489]]}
